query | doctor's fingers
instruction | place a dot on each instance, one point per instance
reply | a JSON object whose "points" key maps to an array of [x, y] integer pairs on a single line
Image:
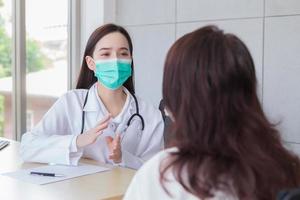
{"points": [[101, 127], [115, 154], [116, 151], [112, 157], [117, 140], [105, 119], [109, 141], [115, 158]]}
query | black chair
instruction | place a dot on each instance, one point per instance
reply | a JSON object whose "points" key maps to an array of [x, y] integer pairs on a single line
{"points": [[292, 194], [167, 121]]}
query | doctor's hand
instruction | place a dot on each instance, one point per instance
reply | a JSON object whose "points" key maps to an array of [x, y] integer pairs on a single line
{"points": [[91, 135], [114, 146]]}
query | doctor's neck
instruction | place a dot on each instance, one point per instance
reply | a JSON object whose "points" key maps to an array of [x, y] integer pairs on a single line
{"points": [[113, 100]]}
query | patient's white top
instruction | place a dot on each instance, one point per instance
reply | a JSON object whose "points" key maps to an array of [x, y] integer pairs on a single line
{"points": [[146, 185]]}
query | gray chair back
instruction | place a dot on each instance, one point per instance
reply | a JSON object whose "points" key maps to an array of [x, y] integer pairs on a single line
{"points": [[167, 121], [292, 194]]}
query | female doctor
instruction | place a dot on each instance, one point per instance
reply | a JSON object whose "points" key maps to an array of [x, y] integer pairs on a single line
{"points": [[101, 119]]}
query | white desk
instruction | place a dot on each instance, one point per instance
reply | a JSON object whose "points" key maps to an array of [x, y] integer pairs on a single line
{"points": [[110, 185]]}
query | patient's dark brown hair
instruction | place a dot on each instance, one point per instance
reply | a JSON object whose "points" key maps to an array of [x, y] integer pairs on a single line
{"points": [[224, 139]]}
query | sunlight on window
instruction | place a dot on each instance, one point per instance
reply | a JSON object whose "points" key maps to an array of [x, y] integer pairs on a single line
{"points": [[46, 59], [5, 69]]}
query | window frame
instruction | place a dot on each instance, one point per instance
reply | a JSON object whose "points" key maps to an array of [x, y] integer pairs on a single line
{"points": [[19, 59]]}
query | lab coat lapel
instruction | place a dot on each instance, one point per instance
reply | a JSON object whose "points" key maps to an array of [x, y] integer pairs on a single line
{"points": [[92, 108]]}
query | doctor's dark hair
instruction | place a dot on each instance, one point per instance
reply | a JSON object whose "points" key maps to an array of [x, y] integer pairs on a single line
{"points": [[86, 77], [225, 141]]}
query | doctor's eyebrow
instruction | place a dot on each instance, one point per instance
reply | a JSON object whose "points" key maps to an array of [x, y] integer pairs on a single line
{"points": [[124, 48], [104, 48], [110, 48]]}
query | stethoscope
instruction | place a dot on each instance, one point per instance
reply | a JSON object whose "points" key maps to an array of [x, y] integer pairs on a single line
{"points": [[137, 114]]}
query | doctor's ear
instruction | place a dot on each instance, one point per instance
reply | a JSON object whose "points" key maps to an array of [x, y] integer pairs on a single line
{"points": [[90, 63]]}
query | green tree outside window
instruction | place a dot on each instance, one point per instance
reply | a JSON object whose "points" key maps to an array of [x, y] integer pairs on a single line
{"points": [[35, 59]]}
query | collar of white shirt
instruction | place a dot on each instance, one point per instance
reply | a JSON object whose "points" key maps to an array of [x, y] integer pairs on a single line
{"points": [[94, 104]]}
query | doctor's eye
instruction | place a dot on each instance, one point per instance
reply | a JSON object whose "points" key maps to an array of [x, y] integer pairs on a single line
{"points": [[104, 54], [124, 53]]}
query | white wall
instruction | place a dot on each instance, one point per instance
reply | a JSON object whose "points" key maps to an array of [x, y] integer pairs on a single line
{"points": [[94, 13], [152, 27], [270, 28]]}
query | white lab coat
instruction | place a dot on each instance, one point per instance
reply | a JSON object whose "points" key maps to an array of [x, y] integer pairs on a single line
{"points": [[53, 139]]}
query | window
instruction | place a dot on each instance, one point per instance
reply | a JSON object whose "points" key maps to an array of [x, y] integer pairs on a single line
{"points": [[46, 38], [6, 69], [29, 120], [46, 54]]}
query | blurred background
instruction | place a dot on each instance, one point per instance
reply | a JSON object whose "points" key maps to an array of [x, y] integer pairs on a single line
{"points": [[56, 32]]}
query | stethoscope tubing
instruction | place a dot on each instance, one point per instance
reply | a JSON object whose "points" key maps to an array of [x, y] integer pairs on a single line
{"points": [[129, 120]]}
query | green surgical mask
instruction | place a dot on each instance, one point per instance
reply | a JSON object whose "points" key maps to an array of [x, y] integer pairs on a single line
{"points": [[112, 73]]}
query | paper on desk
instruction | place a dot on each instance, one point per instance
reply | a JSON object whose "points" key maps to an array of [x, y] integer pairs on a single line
{"points": [[67, 171]]}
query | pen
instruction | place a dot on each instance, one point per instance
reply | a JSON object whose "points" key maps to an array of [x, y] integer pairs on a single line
{"points": [[46, 174], [3, 144]]}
